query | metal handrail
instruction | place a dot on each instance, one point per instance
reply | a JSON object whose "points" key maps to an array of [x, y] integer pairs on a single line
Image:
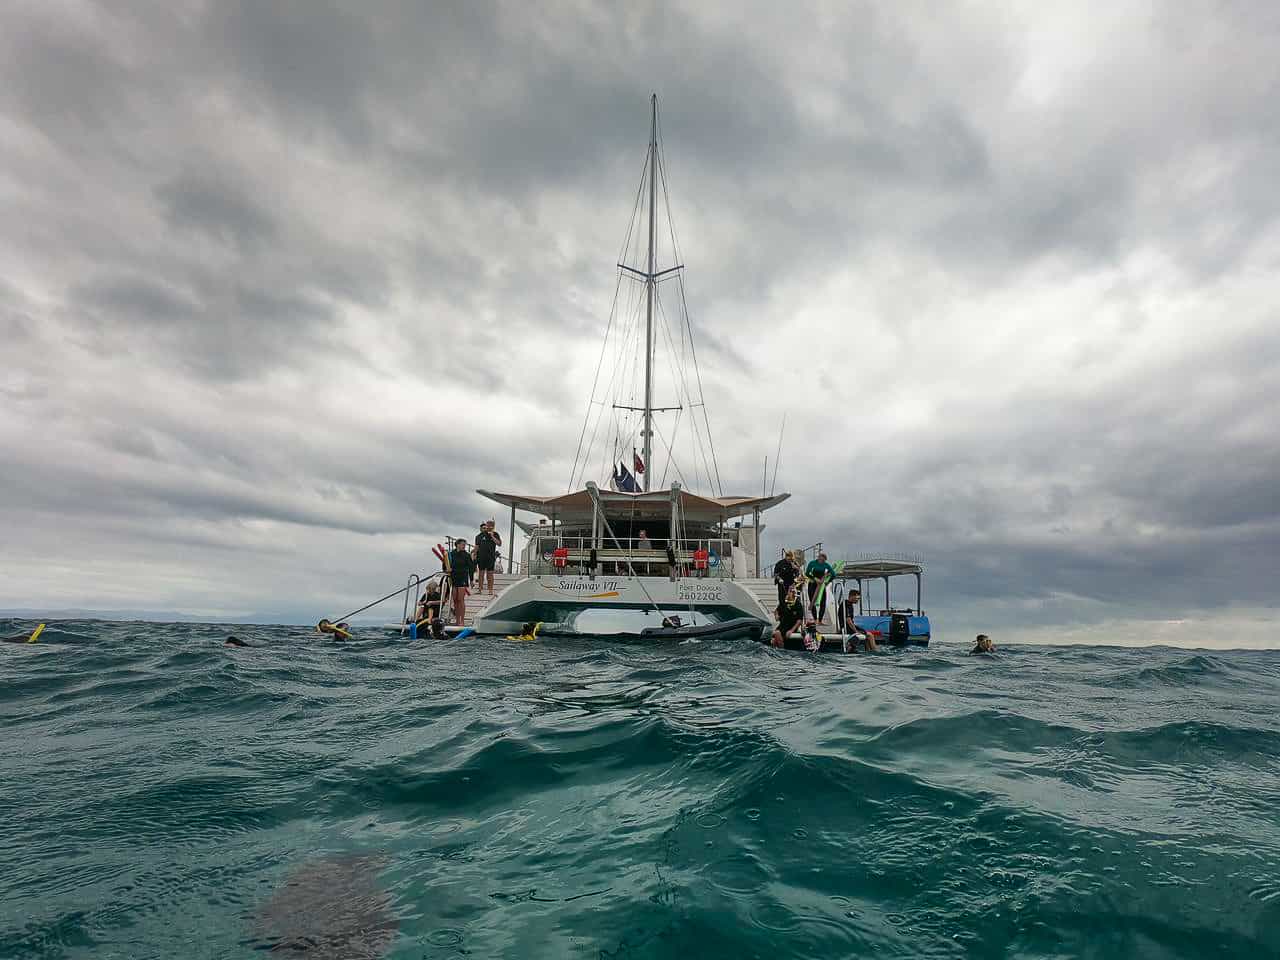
{"points": [[410, 596], [629, 549]]}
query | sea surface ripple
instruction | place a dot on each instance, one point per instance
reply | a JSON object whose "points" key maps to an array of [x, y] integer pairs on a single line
{"points": [[564, 799]]}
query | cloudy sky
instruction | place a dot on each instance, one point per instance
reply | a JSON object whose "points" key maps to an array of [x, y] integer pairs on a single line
{"points": [[282, 283]]}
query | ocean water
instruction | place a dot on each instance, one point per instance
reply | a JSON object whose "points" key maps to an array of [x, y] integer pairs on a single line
{"points": [[165, 796]]}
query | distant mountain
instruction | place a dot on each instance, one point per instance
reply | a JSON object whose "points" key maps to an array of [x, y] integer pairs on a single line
{"points": [[154, 616]]}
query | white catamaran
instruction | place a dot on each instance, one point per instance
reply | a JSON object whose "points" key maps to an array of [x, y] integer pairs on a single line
{"points": [[628, 560]]}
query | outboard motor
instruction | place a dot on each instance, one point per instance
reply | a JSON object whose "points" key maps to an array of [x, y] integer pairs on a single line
{"points": [[899, 629]]}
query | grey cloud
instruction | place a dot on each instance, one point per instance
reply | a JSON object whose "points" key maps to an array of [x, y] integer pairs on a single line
{"points": [[205, 204], [294, 267]]}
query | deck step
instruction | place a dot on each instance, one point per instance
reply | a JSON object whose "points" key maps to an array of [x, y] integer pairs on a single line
{"points": [[766, 591]]}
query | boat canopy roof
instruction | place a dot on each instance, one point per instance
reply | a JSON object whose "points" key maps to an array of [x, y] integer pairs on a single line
{"points": [[875, 569], [576, 506]]}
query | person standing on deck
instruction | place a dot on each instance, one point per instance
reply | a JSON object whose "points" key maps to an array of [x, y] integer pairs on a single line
{"points": [[487, 543], [460, 569], [785, 572], [819, 573]]}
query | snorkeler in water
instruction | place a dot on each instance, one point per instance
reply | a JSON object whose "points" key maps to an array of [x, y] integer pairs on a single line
{"points": [[983, 644], [31, 637], [340, 631]]}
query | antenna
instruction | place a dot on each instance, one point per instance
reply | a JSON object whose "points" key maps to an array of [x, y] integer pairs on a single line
{"points": [[774, 485]]}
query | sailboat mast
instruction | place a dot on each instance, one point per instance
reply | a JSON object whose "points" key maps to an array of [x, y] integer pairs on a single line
{"points": [[649, 285]]}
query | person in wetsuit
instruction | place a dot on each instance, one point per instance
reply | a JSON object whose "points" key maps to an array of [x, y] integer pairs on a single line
{"points": [[983, 644], [789, 614], [819, 572], [429, 605], [487, 543], [785, 572], [460, 569]]}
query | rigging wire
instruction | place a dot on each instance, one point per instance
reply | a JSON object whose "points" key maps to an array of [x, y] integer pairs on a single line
{"points": [[774, 485], [671, 460], [599, 364], [626, 243], [682, 381], [693, 350], [675, 245], [623, 340]]}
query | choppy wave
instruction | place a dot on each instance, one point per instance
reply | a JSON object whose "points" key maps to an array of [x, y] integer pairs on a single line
{"points": [[167, 796]]}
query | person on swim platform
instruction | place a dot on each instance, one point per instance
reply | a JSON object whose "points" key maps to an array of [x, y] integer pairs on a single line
{"points": [[429, 605], [460, 568], [819, 573], [487, 543], [848, 610], [789, 613], [785, 573]]}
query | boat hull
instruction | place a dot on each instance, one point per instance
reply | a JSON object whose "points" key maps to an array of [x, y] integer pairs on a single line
{"points": [[557, 602]]}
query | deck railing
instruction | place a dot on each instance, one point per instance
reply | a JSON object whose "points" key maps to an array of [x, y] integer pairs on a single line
{"points": [[647, 557]]}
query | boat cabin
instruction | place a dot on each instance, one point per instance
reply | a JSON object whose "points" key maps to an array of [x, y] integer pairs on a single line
{"points": [[616, 533]]}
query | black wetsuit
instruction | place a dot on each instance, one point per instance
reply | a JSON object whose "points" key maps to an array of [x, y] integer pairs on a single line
{"points": [[784, 575], [431, 603], [486, 549], [789, 615], [847, 611], [461, 567]]}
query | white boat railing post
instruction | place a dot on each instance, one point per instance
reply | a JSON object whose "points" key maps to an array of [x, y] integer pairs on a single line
{"points": [[511, 542], [595, 537], [755, 538]]}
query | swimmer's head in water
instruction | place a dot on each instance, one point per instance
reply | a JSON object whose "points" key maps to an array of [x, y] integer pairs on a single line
{"points": [[234, 642]]}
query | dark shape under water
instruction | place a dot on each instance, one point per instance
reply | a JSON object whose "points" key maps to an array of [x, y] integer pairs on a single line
{"points": [[329, 908]]}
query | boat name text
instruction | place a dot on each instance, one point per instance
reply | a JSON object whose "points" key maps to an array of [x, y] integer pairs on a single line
{"points": [[588, 586]]}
